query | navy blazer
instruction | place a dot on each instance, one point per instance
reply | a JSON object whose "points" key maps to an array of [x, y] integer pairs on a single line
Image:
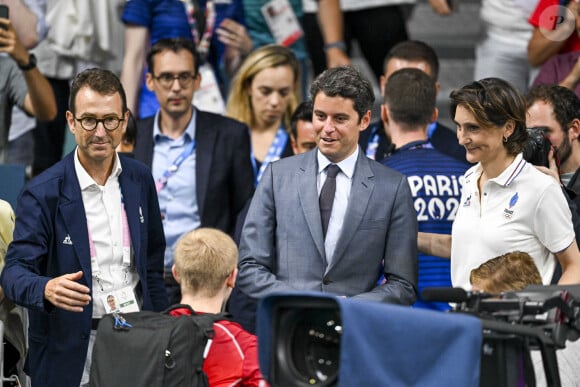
{"points": [[50, 210], [224, 176]]}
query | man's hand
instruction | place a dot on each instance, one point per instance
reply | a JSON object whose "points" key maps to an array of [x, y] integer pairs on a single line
{"points": [[441, 7], [10, 44], [234, 35], [335, 57], [553, 170], [573, 77], [66, 293]]}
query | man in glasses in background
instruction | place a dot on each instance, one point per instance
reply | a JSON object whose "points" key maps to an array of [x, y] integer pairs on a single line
{"points": [[87, 227], [200, 161]]}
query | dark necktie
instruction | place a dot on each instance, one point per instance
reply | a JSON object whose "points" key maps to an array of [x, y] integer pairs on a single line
{"points": [[327, 196]]}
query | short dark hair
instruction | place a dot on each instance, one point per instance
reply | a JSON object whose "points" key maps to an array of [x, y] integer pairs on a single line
{"points": [[303, 112], [564, 101], [410, 96], [493, 102], [175, 45], [416, 51], [346, 82], [100, 80]]}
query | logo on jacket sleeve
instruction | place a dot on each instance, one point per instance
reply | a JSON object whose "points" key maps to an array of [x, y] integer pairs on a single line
{"points": [[508, 212]]}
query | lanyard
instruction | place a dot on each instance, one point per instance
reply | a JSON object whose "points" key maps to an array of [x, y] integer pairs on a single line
{"points": [[162, 182], [210, 16], [274, 153], [96, 271], [373, 143]]}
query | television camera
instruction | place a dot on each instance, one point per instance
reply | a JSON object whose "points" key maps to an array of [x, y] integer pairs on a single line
{"points": [[540, 318]]}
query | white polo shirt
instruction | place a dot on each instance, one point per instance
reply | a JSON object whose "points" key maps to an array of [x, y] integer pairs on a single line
{"points": [[520, 210]]}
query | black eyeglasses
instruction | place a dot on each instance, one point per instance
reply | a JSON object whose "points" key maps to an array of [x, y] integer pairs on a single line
{"points": [[166, 79], [90, 123]]}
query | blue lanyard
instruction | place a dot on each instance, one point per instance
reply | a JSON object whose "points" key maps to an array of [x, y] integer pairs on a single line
{"points": [[274, 153], [162, 182], [373, 143]]}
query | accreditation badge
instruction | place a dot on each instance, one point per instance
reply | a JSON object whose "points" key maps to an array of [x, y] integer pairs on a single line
{"points": [[208, 96], [282, 22], [120, 301]]}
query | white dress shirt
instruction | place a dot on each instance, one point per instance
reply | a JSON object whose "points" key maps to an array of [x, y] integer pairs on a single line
{"points": [[339, 206]]}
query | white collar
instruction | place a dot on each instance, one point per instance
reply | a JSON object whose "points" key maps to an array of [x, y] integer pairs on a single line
{"points": [[346, 166]]}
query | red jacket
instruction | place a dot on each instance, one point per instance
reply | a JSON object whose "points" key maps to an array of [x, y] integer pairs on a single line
{"points": [[233, 356]]}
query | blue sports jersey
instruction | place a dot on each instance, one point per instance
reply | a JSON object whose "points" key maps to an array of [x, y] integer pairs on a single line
{"points": [[436, 181]]}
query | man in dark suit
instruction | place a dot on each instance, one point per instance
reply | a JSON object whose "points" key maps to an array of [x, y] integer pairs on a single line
{"points": [[375, 141], [370, 228], [200, 160], [86, 227]]}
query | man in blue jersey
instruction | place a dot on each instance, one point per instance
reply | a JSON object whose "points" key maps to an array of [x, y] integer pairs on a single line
{"points": [[435, 178]]}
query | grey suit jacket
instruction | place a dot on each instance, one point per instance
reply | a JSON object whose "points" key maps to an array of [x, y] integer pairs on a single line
{"points": [[282, 247]]}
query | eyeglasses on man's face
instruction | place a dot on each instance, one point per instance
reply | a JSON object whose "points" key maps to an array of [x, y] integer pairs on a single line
{"points": [[166, 79], [90, 123]]}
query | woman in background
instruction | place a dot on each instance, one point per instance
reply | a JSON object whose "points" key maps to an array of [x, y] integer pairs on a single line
{"points": [[263, 95]]}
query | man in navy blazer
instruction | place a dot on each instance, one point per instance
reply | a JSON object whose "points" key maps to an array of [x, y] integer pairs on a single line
{"points": [[199, 160], [88, 226], [372, 228]]}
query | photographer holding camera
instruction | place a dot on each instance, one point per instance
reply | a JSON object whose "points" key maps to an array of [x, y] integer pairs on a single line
{"points": [[558, 110]]}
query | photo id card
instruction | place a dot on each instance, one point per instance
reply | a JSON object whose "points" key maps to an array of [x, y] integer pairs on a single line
{"points": [[282, 22], [208, 97], [120, 301]]}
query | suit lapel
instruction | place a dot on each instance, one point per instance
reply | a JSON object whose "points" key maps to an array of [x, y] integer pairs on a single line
{"points": [[205, 138], [308, 194], [132, 202], [360, 193], [73, 215]]}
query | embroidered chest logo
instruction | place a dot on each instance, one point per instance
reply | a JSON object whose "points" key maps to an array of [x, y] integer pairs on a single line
{"points": [[467, 201], [508, 212]]}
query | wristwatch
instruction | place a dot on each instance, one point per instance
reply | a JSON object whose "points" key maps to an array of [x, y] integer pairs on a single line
{"points": [[30, 65]]}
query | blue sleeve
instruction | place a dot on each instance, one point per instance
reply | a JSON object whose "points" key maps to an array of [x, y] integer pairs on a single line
{"points": [[163, 18], [138, 12]]}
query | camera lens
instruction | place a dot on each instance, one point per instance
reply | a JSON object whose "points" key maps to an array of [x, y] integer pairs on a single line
{"points": [[308, 345]]}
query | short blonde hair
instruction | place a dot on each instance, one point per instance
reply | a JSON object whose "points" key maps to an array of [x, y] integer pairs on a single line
{"points": [[204, 258], [509, 272], [265, 57], [6, 229]]}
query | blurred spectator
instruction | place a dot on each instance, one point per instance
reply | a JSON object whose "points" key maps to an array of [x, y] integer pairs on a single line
{"points": [[563, 70], [502, 50], [20, 84], [29, 19], [281, 22], [374, 141], [13, 317], [377, 25], [263, 95], [302, 135], [555, 23], [217, 29]]}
